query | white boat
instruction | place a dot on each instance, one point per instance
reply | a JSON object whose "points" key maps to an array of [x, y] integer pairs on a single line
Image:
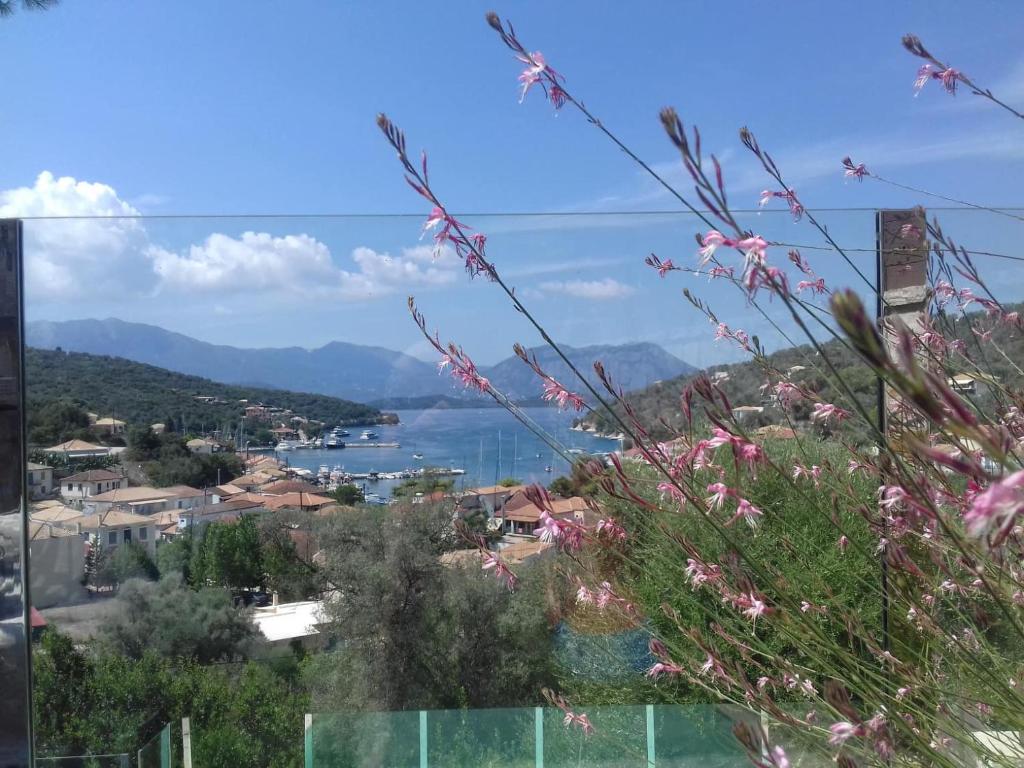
{"points": [[418, 456], [284, 445], [368, 434]]}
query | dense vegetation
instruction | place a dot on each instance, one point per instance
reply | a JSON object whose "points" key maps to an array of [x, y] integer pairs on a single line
{"points": [[144, 394], [658, 407]]}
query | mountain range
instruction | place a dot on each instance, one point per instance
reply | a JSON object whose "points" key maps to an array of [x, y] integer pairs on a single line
{"points": [[352, 371]]}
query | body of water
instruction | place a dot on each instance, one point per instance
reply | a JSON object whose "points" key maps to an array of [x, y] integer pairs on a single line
{"points": [[489, 443]]}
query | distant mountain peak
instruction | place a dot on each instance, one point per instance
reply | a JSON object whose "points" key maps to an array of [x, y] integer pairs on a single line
{"points": [[342, 369]]}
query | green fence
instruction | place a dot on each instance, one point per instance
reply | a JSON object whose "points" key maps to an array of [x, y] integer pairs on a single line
{"points": [[641, 736], [114, 760], [156, 753]]}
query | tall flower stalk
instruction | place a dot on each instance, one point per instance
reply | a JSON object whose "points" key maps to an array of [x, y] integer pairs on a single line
{"points": [[699, 534]]}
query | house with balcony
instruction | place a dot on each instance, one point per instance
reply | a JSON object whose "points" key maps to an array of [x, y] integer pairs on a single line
{"points": [[40, 480], [114, 527], [92, 482], [520, 516], [489, 499], [145, 500]]}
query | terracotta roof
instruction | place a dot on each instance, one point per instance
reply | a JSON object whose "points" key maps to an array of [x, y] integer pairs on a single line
{"points": [[301, 500], [229, 489], [93, 476], [520, 509], [182, 491], [494, 489], [137, 493], [54, 514], [115, 518], [34, 465], [290, 486], [74, 445]]}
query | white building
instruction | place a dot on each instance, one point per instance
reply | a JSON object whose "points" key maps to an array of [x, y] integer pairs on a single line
{"points": [[115, 527], [92, 482], [145, 500]]}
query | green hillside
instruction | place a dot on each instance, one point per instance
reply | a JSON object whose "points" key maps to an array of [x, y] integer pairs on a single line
{"points": [[658, 406], [144, 394]]}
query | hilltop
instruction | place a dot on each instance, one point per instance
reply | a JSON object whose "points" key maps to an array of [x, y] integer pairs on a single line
{"points": [[341, 369], [658, 406], [145, 394]]}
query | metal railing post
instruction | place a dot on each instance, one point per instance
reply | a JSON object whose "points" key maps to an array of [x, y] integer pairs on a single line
{"points": [[538, 733], [308, 740], [650, 736], [423, 738]]}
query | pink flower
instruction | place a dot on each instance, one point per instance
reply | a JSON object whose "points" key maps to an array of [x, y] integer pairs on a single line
{"points": [[754, 249], [664, 668], [492, 561], [995, 510], [826, 412], [948, 77], [778, 757], [710, 242], [748, 512], [755, 608], [666, 267], [842, 731], [581, 720], [555, 391], [789, 196], [787, 394], [535, 69], [857, 172], [843, 543], [611, 529], [584, 596], [816, 286], [719, 271], [698, 573], [712, 666], [719, 493]]}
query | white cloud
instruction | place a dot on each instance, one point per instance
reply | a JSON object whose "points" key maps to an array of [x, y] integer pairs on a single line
{"points": [[81, 254], [296, 264], [595, 290]]}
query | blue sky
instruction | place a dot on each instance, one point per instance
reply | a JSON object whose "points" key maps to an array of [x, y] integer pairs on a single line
{"points": [[268, 108]]}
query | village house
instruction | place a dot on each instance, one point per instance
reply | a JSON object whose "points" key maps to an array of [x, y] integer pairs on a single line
{"points": [[79, 449], [40, 480], [145, 500], [111, 528], [283, 625], [522, 517], [202, 446], [257, 413], [52, 512], [284, 433], [58, 564], [92, 482], [108, 425], [490, 499], [304, 501]]}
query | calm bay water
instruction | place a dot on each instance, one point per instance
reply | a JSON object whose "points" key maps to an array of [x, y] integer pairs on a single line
{"points": [[489, 443]]}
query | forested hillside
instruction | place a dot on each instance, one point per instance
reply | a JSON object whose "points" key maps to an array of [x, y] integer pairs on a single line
{"points": [[658, 406], [144, 394]]}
